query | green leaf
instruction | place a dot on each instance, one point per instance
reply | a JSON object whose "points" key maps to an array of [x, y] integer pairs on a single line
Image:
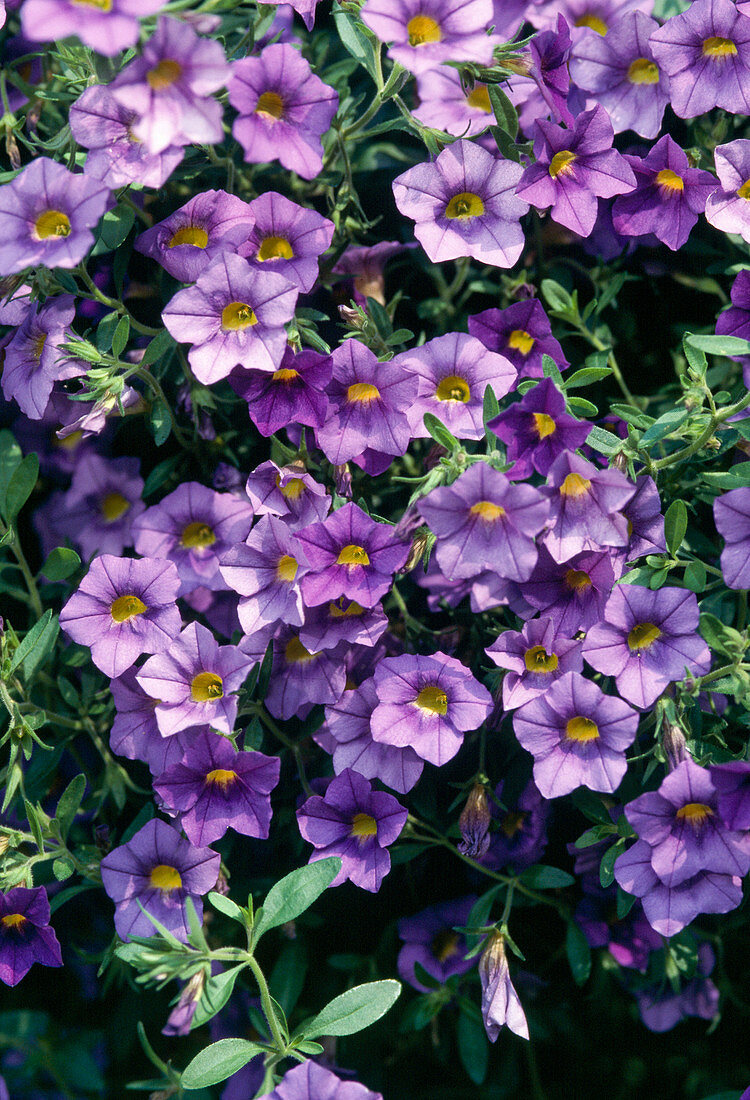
{"points": [[216, 992], [354, 1010], [115, 226], [607, 865], [121, 336], [60, 563], [356, 39], [625, 903], [675, 525], [158, 346], [504, 111], [20, 486], [695, 577], [62, 869], [719, 345], [217, 1062], [295, 893], [30, 640], [160, 421], [440, 433], [541, 877], [69, 802], [579, 953], [105, 331], [10, 458], [603, 441], [738, 477], [581, 407], [228, 907], [557, 297], [311, 1047], [42, 648], [473, 1047], [586, 377], [34, 824], [612, 288], [665, 425]]}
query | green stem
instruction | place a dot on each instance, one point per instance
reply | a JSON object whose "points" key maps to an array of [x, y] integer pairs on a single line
{"points": [[268, 1009], [112, 303], [614, 366], [23, 565], [147, 377], [703, 438], [294, 748]]}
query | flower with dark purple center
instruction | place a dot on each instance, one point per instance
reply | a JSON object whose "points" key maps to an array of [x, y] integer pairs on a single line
{"points": [[293, 394], [571, 593], [535, 657], [429, 939], [537, 430]]}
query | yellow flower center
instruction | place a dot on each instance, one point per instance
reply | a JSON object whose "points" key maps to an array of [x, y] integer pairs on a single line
{"points": [[479, 98], [197, 535], [512, 823], [165, 878], [13, 920], [593, 22], [537, 659], [363, 825], [296, 654], [286, 570], [444, 945], [127, 607], [100, 5], [744, 191], [286, 374], [581, 729], [362, 393], [353, 555], [521, 341], [221, 777], [487, 511], [562, 163], [643, 636], [38, 346], [464, 206], [669, 180], [433, 699], [717, 47], [237, 315], [643, 71], [164, 74], [206, 687], [194, 235], [544, 425], [52, 223], [577, 580], [575, 486], [422, 29], [453, 388], [337, 610], [271, 105], [695, 813], [293, 489], [274, 248], [113, 506]]}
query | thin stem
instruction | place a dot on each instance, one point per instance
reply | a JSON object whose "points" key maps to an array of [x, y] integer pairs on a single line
{"points": [[614, 366], [268, 1009], [23, 565], [703, 438], [270, 725], [113, 303]]}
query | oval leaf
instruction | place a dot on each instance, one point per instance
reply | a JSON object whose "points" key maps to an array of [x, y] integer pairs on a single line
{"points": [[354, 1010], [218, 1062], [295, 893], [542, 877], [60, 563], [675, 525]]}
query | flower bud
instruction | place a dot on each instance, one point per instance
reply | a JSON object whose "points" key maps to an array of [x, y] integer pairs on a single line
{"points": [[474, 823], [500, 1003]]}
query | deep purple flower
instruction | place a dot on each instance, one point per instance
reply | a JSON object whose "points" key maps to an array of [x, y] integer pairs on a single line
{"points": [[645, 520], [46, 216], [287, 238], [732, 519], [661, 1008], [124, 607], [728, 207], [425, 33], [160, 869], [453, 372], [284, 109], [103, 501], [464, 204], [537, 430], [535, 657], [430, 940], [34, 356], [427, 703], [500, 1004], [445, 105], [571, 593], [188, 241], [233, 316], [549, 55], [705, 51], [266, 570], [735, 321], [585, 507], [107, 27], [215, 788], [311, 1081], [170, 85], [629, 940], [289, 492], [521, 837], [483, 521], [577, 736], [620, 70], [25, 934], [195, 682], [342, 620], [522, 333], [647, 641], [350, 555], [300, 679], [356, 823], [732, 781], [574, 167]]}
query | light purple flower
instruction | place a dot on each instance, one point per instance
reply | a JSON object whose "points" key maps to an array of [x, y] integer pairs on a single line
{"points": [[425, 33], [728, 208], [464, 204], [732, 781], [135, 734], [577, 736], [357, 824], [301, 679], [572, 593], [188, 241], [103, 501], [287, 239], [284, 109], [430, 940], [522, 333], [124, 607], [342, 620], [25, 935], [445, 105], [535, 658], [583, 16], [289, 492], [645, 520], [293, 394], [500, 1004], [266, 570], [106, 27], [311, 1081], [34, 355], [735, 321], [585, 507], [732, 519]]}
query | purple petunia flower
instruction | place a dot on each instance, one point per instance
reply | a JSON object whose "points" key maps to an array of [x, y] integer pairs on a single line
{"points": [[188, 241], [453, 372], [669, 197], [266, 570], [464, 204], [705, 52], [293, 394], [427, 703], [573, 168], [583, 15], [522, 333], [233, 316], [537, 430], [577, 736], [500, 1004], [135, 734], [647, 641], [732, 519], [727, 208], [311, 1081], [215, 788], [572, 593], [300, 679], [585, 507], [445, 105], [195, 682], [521, 837], [350, 555], [289, 492], [46, 216], [124, 607], [25, 935], [103, 501], [535, 658], [482, 521], [645, 520], [620, 70], [430, 940], [193, 526], [170, 85], [732, 781], [116, 157], [425, 33], [662, 1008], [107, 27], [34, 356], [735, 321], [160, 869], [356, 823], [287, 238], [342, 620], [284, 109]]}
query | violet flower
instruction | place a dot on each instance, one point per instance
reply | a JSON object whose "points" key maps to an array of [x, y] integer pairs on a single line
{"points": [[500, 1004], [301, 679], [289, 492], [728, 208], [571, 593], [188, 241], [25, 935], [429, 939], [266, 570], [425, 33], [293, 394], [585, 507], [106, 27], [35, 358], [445, 105], [522, 333], [537, 430], [732, 781], [535, 657], [311, 1081], [103, 501], [732, 519], [287, 238]]}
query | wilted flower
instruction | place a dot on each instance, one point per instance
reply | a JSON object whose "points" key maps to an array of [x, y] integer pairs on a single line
{"points": [[500, 1004]]}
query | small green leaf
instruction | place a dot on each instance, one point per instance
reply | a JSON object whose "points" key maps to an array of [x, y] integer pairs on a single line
{"points": [[21, 484], [69, 803], [440, 433], [60, 563], [603, 441], [10, 458], [288, 975], [719, 345], [504, 111], [354, 1010], [42, 648], [738, 477], [541, 877], [607, 865], [217, 1062], [160, 421], [105, 331], [695, 577], [295, 893], [579, 953], [581, 407], [228, 907], [62, 869], [121, 336], [665, 425], [158, 346], [586, 377], [216, 992], [30, 640], [115, 226], [557, 297], [675, 525], [473, 1046], [34, 824], [356, 39]]}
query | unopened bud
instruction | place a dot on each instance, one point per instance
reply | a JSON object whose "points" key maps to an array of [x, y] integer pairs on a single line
{"points": [[418, 547], [342, 479], [11, 148], [352, 316], [620, 462], [500, 1003], [474, 823], [674, 744]]}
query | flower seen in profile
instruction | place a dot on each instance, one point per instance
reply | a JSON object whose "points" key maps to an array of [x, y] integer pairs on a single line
{"points": [[35, 358], [501, 1006], [430, 939]]}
